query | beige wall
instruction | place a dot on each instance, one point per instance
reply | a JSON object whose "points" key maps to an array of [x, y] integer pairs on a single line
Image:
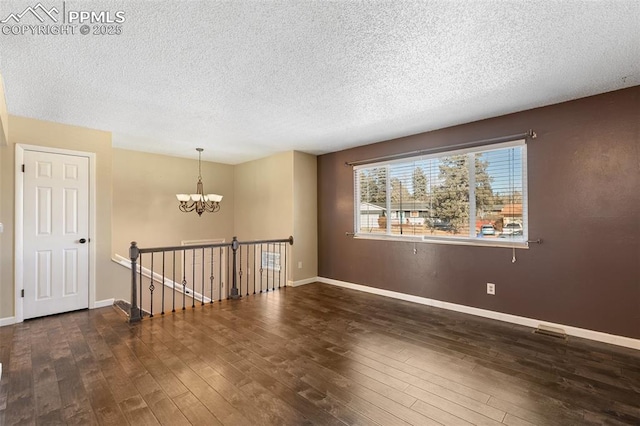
{"points": [[47, 134], [145, 208], [4, 116], [305, 216], [6, 238], [264, 198], [277, 197]]}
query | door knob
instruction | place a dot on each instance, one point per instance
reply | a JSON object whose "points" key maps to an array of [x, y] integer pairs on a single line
{"points": [[82, 241]]}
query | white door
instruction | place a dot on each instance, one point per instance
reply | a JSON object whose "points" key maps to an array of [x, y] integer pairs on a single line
{"points": [[56, 233]]}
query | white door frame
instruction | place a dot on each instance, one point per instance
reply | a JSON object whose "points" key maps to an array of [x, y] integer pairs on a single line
{"points": [[19, 221]]}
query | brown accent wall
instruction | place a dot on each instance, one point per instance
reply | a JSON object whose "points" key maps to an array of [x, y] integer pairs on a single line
{"points": [[584, 202]]}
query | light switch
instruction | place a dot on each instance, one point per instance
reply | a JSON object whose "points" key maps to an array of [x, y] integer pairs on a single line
{"points": [[1, 228]]}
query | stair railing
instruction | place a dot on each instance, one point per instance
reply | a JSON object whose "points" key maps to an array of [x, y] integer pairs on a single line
{"points": [[253, 264]]}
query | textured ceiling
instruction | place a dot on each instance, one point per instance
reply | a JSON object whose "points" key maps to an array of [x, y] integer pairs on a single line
{"points": [[245, 79]]}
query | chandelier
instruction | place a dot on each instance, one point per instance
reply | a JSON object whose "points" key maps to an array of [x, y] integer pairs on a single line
{"points": [[199, 202]]}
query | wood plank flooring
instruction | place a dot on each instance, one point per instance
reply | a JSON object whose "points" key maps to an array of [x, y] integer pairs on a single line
{"points": [[315, 354]]}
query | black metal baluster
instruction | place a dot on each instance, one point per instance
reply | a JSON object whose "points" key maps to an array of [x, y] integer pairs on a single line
{"points": [[268, 266], [261, 266], [193, 278], [254, 269], [228, 262], [240, 273], [163, 286], [248, 269], [202, 294], [211, 267], [280, 264], [151, 288], [173, 294], [286, 271], [273, 266], [274, 270], [220, 281], [140, 272], [184, 279]]}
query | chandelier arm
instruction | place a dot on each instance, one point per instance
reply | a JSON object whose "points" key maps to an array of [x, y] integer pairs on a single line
{"points": [[212, 207], [201, 204], [187, 207]]}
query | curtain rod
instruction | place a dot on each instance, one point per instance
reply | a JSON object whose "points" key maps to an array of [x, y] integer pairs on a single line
{"points": [[530, 134]]}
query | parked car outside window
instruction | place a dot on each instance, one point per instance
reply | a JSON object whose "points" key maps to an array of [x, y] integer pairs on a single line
{"points": [[487, 230], [441, 225], [511, 229]]}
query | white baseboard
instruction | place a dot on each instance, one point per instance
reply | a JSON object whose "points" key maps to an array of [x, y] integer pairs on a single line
{"points": [[7, 321], [528, 322], [302, 282], [97, 304], [103, 303]]}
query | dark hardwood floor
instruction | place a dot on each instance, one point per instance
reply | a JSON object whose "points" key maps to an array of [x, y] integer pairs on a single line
{"points": [[309, 355]]}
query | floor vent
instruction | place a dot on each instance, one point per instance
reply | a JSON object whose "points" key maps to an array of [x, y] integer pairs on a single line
{"points": [[555, 332]]}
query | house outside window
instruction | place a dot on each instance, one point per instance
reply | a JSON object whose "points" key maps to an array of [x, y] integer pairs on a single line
{"points": [[470, 196]]}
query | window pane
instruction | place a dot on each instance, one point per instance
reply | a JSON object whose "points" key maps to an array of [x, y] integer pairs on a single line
{"points": [[372, 187], [499, 212], [411, 204], [450, 195]]}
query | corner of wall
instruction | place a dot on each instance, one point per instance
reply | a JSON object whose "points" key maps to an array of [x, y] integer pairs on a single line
{"points": [[6, 218], [4, 140], [284, 185], [4, 117], [305, 217], [266, 183]]}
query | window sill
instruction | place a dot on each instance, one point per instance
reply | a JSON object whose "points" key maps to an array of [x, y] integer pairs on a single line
{"points": [[478, 242]]}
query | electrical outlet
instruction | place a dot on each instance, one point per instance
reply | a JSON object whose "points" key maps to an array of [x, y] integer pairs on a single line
{"points": [[491, 288], [299, 265]]}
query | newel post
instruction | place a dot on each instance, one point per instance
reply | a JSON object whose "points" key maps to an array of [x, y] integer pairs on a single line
{"points": [[134, 312], [234, 289]]}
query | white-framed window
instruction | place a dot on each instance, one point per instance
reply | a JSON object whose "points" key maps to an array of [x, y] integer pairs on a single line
{"points": [[469, 196], [270, 260]]}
